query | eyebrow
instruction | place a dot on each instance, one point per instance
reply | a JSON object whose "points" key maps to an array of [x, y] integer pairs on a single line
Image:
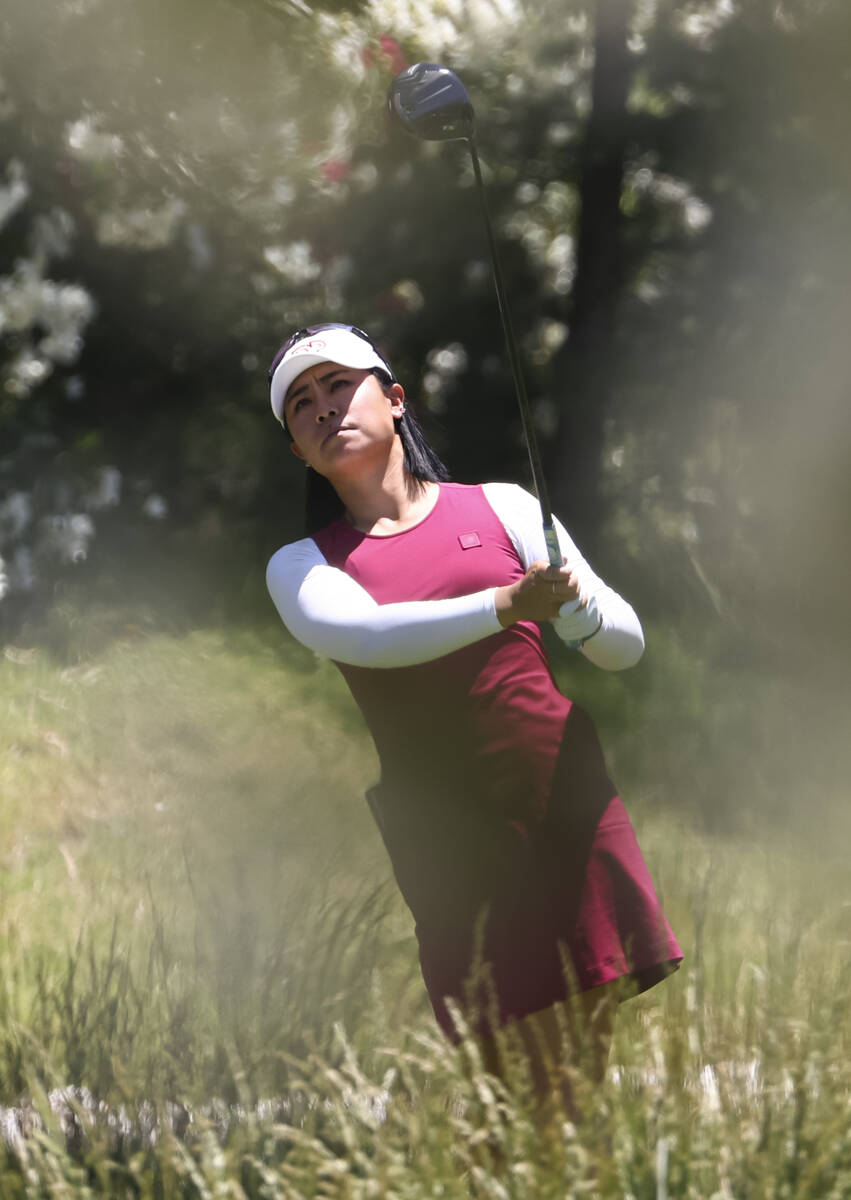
{"points": [[293, 392]]}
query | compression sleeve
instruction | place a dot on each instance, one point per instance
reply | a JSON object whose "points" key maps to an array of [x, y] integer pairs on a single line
{"points": [[330, 613], [618, 641]]}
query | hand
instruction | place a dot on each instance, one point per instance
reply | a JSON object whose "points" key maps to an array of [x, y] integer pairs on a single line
{"points": [[538, 596]]}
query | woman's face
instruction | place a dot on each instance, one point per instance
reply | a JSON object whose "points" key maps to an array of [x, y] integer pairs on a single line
{"points": [[340, 417]]}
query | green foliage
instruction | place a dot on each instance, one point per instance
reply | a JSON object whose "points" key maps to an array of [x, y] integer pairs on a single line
{"points": [[198, 921]]}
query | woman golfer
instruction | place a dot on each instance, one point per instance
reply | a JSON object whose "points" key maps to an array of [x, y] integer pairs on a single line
{"points": [[507, 838]]}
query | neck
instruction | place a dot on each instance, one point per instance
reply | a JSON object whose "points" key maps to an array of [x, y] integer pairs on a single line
{"points": [[386, 499]]}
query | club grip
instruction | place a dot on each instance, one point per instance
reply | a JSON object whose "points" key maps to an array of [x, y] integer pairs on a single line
{"points": [[555, 556], [553, 549]]}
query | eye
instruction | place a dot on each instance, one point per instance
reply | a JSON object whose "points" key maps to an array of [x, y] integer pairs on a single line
{"points": [[302, 400], [338, 383]]}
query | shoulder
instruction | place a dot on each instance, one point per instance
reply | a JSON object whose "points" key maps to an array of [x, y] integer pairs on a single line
{"points": [[506, 494], [295, 558], [510, 498], [506, 501], [507, 491]]}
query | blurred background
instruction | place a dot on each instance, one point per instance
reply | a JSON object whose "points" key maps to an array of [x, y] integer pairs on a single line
{"points": [[193, 900], [184, 182]]}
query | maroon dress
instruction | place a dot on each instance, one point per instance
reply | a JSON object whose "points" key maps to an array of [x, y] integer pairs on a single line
{"points": [[506, 835]]}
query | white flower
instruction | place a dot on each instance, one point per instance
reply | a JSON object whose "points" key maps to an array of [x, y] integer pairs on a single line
{"points": [[701, 26], [526, 192], [16, 512], [25, 372], [147, 228], [52, 233], [548, 337], [88, 143], [108, 491], [14, 192], [155, 507], [694, 213], [561, 262], [447, 360], [409, 292], [67, 537], [294, 261]]}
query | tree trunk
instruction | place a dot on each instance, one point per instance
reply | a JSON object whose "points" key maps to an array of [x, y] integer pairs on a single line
{"points": [[583, 374]]}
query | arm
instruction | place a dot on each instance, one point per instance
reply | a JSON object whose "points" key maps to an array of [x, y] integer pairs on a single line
{"points": [[331, 614], [618, 641]]}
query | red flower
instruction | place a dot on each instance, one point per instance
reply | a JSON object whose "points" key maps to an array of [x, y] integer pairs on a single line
{"points": [[393, 52], [390, 54], [335, 170]]}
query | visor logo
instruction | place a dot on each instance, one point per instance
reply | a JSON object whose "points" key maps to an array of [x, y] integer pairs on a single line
{"points": [[308, 347]]}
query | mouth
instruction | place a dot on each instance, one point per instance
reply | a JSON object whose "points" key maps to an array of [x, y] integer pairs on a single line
{"points": [[332, 433]]}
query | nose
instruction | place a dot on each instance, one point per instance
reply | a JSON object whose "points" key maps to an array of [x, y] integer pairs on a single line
{"points": [[324, 410]]}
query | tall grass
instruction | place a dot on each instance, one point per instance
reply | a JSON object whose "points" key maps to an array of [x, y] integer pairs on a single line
{"points": [[200, 934]]}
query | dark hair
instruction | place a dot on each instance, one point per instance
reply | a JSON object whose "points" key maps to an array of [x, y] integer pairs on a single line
{"points": [[322, 505]]}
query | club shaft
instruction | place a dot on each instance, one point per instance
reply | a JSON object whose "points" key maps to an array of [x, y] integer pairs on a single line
{"points": [[526, 418]]}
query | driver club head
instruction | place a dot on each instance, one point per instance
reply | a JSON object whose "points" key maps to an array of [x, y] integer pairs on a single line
{"points": [[432, 103]]}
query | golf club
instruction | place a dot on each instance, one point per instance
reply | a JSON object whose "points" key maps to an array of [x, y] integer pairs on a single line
{"points": [[432, 103]]}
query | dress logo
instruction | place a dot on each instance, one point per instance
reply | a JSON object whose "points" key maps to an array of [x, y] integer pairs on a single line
{"points": [[469, 540]]}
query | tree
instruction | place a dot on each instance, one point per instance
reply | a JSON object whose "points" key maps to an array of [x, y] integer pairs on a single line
{"points": [[229, 175], [591, 311], [42, 322]]}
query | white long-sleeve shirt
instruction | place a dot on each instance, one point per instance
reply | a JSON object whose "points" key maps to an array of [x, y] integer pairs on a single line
{"points": [[331, 614]]}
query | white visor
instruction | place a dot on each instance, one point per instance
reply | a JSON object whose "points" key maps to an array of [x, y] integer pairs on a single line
{"points": [[330, 345]]}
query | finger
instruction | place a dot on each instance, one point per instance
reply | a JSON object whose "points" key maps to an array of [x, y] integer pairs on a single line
{"points": [[557, 574], [565, 589], [566, 578]]}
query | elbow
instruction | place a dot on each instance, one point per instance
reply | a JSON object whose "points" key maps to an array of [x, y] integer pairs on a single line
{"points": [[632, 655], [622, 662], [617, 655], [631, 650]]}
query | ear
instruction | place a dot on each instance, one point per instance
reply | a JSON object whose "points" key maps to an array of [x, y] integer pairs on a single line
{"points": [[295, 450], [396, 395]]}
